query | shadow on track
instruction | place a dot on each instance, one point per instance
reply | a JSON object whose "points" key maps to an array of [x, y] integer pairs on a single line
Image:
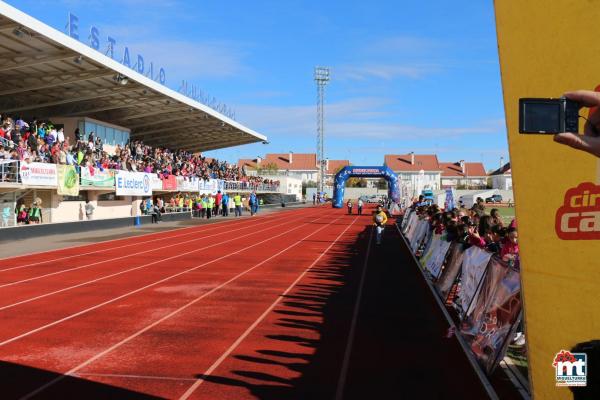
{"points": [[19, 380]]}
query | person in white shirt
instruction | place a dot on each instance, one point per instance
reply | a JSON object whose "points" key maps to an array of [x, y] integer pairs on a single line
{"points": [[360, 206], [60, 135]]}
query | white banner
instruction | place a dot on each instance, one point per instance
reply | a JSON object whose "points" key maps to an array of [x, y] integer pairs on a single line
{"points": [[210, 186], [474, 263], [38, 174], [155, 182], [421, 233], [133, 184], [437, 255], [187, 184]]}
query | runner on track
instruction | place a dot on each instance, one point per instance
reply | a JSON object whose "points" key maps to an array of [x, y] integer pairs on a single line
{"points": [[379, 219]]}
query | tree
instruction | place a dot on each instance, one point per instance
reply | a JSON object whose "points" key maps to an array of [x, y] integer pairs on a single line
{"points": [[356, 182], [382, 184]]}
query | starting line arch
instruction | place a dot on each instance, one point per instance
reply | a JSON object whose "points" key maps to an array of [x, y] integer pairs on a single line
{"points": [[364, 172]]}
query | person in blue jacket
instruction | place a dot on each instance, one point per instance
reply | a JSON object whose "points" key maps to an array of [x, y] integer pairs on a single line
{"points": [[225, 205], [253, 203]]}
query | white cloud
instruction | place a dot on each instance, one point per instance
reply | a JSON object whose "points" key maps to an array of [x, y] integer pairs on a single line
{"points": [[385, 71]]}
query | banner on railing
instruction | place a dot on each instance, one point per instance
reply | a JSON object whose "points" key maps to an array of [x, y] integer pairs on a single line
{"points": [[133, 184], [493, 312], [155, 182], [187, 184], [474, 263], [433, 259], [38, 174], [68, 180], [210, 186], [169, 183], [451, 270], [95, 177]]}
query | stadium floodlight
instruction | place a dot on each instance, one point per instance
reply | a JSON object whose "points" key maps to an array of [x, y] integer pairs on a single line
{"points": [[321, 78], [121, 79], [19, 32], [78, 60], [265, 142]]}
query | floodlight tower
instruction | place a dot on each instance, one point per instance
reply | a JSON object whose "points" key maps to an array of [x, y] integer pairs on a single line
{"points": [[321, 78]]}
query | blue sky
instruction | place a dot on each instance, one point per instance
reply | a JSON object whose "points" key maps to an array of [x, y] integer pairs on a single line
{"points": [[406, 76]]}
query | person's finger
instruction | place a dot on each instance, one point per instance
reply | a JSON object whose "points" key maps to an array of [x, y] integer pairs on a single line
{"points": [[586, 98], [588, 144]]}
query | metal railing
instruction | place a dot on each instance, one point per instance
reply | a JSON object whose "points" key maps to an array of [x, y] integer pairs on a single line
{"points": [[9, 171], [250, 186]]}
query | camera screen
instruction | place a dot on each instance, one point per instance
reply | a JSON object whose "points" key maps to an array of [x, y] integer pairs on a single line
{"points": [[541, 117]]}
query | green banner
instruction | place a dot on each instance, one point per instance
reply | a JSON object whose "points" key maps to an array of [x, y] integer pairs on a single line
{"points": [[68, 180]]}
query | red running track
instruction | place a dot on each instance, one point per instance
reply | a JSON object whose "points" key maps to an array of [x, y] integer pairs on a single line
{"points": [[257, 308]]}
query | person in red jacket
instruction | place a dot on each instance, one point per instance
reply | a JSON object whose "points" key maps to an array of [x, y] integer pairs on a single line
{"points": [[218, 201]]}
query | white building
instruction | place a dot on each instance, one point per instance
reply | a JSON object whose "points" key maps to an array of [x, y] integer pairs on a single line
{"points": [[420, 170], [502, 178]]}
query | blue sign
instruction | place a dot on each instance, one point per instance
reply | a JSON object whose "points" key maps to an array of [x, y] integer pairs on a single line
{"points": [[139, 64]]}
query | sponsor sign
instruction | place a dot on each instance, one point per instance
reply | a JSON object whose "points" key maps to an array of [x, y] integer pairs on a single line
{"points": [[97, 178], [571, 368], [555, 186], [133, 184], [187, 184], [169, 183], [155, 182], [210, 186], [38, 174], [68, 180]]}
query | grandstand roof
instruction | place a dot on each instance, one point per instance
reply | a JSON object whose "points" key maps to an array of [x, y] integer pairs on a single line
{"points": [[45, 73]]}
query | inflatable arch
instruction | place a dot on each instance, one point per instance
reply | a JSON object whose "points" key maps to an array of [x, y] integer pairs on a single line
{"points": [[364, 172]]}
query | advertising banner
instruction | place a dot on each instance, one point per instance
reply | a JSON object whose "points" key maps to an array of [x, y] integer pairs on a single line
{"points": [[132, 184], [187, 184], [451, 270], [155, 182], [547, 48], [38, 174], [68, 180], [97, 178], [474, 264], [493, 312], [169, 183], [210, 186], [436, 255]]}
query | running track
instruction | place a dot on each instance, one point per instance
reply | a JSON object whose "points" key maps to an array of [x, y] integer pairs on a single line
{"points": [[294, 305]]}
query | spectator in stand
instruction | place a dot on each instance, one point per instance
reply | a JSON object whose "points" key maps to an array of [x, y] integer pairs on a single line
{"points": [[496, 217]]}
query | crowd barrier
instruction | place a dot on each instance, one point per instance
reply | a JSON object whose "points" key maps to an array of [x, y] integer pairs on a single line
{"points": [[484, 290]]}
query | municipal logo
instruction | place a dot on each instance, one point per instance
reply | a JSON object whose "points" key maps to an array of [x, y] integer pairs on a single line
{"points": [[571, 368]]}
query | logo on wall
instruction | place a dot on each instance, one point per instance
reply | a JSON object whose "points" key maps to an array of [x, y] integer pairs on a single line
{"points": [[146, 183], [571, 368], [579, 216]]}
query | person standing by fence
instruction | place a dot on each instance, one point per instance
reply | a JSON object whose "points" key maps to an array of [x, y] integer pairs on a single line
{"points": [[89, 210], [210, 203], [349, 204], [218, 202], [237, 201], [253, 202], [225, 205]]}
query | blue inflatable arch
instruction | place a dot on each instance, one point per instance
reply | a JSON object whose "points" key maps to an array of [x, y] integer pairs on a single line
{"points": [[364, 172]]}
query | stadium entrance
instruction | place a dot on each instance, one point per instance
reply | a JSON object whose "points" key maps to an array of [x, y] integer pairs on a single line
{"points": [[364, 172]]}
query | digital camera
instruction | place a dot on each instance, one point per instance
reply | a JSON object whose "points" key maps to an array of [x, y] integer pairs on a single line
{"points": [[548, 116]]}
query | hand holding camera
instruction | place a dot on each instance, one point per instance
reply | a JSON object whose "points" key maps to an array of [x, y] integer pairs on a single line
{"points": [[590, 140]]}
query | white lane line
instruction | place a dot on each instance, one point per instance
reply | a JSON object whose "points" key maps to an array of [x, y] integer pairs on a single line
{"points": [[162, 378], [62, 271], [240, 339], [197, 229], [141, 267], [171, 314], [339, 394]]}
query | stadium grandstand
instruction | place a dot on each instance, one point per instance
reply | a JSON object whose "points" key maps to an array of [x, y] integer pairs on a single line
{"points": [[78, 127]]}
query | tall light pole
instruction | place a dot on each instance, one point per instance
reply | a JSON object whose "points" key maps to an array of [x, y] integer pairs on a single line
{"points": [[321, 78]]}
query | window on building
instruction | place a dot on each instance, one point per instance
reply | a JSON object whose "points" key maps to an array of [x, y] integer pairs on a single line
{"points": [[83, 196], [110, 197]]}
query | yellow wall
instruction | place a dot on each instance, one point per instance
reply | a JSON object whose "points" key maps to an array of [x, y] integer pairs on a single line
{"points": [[548, 47]]}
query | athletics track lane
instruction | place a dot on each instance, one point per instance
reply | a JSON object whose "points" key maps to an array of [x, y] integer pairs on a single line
{"points": [[269, 322]]}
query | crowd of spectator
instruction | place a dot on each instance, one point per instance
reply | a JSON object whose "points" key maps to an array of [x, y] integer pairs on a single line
{"points": [[474, 227], [38, 141]]}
